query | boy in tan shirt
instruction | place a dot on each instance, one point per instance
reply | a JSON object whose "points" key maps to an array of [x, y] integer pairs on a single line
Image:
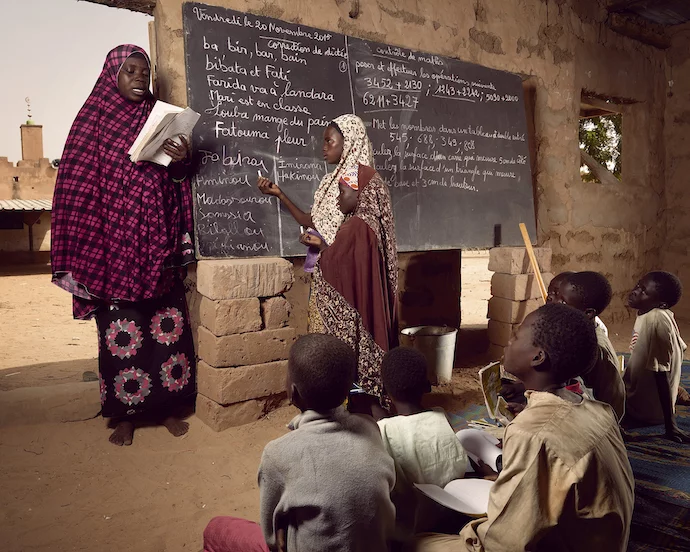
{"points": [[566, 482], [652, 376], [590, 292]]}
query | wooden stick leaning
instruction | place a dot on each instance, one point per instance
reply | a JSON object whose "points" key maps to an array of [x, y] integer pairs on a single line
{"points": [[533, 261]]}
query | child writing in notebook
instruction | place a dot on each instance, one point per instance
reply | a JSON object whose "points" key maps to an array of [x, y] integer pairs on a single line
{"points": [[566, 482], [325, 486], [421, 442], [652, 376], [590, 292]]}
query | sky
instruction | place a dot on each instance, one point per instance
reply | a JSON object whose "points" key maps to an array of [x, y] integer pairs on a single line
{"points": [[52, 51]]}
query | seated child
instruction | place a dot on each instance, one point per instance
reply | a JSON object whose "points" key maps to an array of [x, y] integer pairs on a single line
{"points": [[325, 486], [566, 482], [653, 372], [590, 292], [421, 442], [553, 295], [554, 289]]}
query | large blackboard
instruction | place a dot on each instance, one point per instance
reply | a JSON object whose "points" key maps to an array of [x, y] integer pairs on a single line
{"points": [[449, 136]]}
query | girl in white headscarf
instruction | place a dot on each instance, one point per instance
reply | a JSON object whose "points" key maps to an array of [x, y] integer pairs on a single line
{"points": [[346, 145]]}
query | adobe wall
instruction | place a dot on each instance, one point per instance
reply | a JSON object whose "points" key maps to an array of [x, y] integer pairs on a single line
{"points": [[676, 256], [18, 240], [27, 180], [562, 48]]}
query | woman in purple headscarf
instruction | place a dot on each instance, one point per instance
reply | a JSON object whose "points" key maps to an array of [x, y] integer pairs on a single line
{"points": [[121, 233]]}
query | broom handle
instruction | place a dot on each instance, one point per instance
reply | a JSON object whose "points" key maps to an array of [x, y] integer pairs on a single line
{"points": [[533, 260]]}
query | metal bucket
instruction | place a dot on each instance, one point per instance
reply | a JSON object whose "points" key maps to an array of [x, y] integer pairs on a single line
{"points": [[437, 344]]}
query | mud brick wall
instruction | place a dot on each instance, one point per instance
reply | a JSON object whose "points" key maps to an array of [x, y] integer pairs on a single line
{"points": [[676, 251], [564, 49], [240, 319], [514, 292]]}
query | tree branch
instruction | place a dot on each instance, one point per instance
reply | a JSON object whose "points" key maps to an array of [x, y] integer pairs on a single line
{"points": [[601, 173]]}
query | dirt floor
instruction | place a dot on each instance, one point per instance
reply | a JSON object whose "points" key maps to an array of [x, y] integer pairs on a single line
{"points": [[63, 486]]}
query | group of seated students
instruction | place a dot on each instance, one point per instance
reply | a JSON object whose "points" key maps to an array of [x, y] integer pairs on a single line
{"points": [[340, 482]]}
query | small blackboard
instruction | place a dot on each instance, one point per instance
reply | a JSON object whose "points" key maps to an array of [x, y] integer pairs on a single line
{"points": [[449, 137]]}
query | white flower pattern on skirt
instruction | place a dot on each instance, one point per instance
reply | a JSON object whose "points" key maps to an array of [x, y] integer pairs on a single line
{"points": [[170, 382], [137, 375], [159, 319], [128, 328]]}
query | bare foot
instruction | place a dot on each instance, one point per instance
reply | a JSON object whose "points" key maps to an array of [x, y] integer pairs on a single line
{"points": [[175, 426], [123, 434]]}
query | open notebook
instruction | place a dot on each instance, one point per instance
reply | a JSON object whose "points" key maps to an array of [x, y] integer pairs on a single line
{"points": [[490, 380], [166, 121], [469, 496]]}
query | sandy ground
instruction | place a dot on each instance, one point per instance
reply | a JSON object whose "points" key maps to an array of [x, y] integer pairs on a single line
{"points": [[64, 487], [38, 330]]}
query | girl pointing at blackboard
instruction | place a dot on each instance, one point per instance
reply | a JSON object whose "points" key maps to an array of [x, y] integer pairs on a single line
{"points": [[346, 145], [371, 310]]}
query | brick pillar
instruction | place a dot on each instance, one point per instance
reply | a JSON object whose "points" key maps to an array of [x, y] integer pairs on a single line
{"points": [[243, 339], [32, 142], [514, 292]]}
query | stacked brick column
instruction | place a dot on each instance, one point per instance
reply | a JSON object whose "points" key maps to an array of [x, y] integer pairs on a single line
{"points": [[514, 292], [243, 338]]}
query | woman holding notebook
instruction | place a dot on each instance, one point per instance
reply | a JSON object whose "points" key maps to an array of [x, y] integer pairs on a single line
{"points": [[121, 233]]}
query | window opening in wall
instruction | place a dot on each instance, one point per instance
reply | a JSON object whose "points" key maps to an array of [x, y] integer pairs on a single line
{"points": [[601, 141]]}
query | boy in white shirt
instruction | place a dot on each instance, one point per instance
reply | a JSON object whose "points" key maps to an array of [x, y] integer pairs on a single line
{"points": [[421, 442]]}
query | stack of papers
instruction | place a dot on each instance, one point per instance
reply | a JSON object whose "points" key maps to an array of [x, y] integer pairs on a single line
{"points": [[166, 121]]}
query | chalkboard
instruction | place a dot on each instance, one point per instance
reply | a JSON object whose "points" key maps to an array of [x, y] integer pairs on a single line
{"points": [[449, 137]]}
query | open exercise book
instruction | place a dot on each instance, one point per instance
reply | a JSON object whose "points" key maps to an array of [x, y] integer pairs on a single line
{"points": [[165, 122], [469, 496]]}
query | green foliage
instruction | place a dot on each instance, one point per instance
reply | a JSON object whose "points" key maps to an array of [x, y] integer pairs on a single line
{"points": [[601, 137]]}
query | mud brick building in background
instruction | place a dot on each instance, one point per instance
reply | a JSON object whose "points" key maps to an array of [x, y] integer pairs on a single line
{"points": [[26, 194]]}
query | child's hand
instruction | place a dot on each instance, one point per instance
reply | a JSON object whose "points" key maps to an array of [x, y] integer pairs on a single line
{"points": [[267, 187], [281, 544], [512, 390], [312, 241], [516, 408], [675, 434], [486, 472]]}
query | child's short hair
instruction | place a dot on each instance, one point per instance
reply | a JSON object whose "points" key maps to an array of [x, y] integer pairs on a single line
{"points": [[557, 280], [323, 368], [668, 285], [592, 288], [568, 339], [404, 374]]}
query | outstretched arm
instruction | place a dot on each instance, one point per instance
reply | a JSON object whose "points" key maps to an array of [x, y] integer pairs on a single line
{"points": [[666, 398], [269, 188]]}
